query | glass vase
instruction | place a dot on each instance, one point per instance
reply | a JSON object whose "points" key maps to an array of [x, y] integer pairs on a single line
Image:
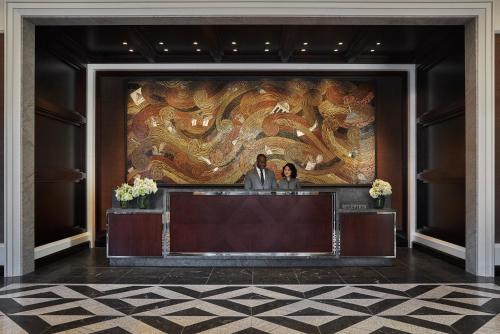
{"points": [[124, 204], [143, 202], [379, 202]]}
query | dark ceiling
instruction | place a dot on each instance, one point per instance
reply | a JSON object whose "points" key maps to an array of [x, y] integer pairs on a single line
{"points": [[244, 43]]}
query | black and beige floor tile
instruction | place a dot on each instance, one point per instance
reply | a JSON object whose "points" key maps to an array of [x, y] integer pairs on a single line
{"points": [[209, 308]]}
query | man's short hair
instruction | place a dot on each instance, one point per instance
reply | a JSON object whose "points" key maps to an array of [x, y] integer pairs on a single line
{"points": [[261, 155]]}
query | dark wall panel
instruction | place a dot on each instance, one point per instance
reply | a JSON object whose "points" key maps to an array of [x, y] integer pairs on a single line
{"points": [[110, 144], [59, 141], [56, 80], [110, 138], [391, 125], [441, 143]]}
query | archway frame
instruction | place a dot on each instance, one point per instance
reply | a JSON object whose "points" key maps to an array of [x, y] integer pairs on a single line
{"points": [[19, 92]]}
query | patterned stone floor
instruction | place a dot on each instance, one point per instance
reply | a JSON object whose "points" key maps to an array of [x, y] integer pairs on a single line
{"points": [[307, 308], [81, 293]]}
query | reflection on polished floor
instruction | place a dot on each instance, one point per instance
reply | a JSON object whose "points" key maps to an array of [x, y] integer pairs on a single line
{"points": [[82, 294]]}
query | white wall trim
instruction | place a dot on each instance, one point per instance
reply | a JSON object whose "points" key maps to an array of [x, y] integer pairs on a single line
{"points": [[410, 11], [440, 245], [261, 67], [411, 216], [90, 155], [497, 254], [59, 245]]}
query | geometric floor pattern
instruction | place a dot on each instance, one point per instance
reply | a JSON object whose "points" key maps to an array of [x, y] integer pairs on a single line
{"points": [[184, 309]]}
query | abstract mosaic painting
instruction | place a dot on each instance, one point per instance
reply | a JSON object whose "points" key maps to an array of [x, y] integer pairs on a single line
{"points": [[209, 130]]}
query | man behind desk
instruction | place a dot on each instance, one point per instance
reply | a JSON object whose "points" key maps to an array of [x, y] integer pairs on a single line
{"points": [[260, 178]]}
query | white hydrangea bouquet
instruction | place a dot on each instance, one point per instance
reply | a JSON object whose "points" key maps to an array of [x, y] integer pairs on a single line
{"points": [[124, 194], [379, 190], [142, 189]]}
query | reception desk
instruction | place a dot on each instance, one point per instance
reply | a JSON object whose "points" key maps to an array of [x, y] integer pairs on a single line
{"points": [[236, 227], [236, 222]]}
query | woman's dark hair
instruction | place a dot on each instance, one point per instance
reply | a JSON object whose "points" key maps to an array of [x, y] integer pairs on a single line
{"points": [[292, 168]]}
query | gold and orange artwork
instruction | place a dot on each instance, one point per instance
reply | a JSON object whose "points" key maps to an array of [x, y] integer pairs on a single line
{"points": [[210, 130]]}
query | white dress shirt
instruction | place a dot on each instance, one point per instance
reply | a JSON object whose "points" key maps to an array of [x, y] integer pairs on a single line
{"points": [[263, 172]]}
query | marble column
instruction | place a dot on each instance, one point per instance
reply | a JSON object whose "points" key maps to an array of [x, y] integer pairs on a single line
{"points": [[471, 147], [28, 148]]}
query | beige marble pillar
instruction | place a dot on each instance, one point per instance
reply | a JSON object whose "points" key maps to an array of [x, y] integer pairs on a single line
{"points": [[28, 148], [471, 146]]}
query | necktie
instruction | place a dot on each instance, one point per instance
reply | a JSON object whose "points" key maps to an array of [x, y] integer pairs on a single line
{"points": [[261, 176]]}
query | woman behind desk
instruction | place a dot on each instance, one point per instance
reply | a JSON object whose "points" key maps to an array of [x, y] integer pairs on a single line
{"points": [[289, 180]]}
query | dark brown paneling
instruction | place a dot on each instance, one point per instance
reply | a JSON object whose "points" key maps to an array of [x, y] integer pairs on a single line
{"points": [[366, 234], [135, 234], [250, 223], [59, 142], [391, 133], [110, 144], [1, 135], [497, 137], [441, 142]]}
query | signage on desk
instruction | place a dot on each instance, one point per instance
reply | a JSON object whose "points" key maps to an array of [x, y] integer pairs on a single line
{"points": [[354, 206]]}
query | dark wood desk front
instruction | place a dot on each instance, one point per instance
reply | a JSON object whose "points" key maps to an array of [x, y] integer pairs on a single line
{"points": [[251, 223]]}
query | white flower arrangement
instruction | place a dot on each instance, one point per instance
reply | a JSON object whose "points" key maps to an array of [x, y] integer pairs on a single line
{"points": [[124, 193], [380, 188], [143, 187]]}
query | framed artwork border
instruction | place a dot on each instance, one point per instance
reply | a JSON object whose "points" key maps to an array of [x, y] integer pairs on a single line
{"points": [[335, 75]]}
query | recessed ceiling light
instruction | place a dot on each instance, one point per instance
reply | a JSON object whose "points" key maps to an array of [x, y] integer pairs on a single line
{"points": [[378, 43], [234, 42], [303, 50], [372, 50], [340, 43], [235, 50], [166, 50], [198, 50], [336, 50], [266, 50], [267, 43], [161, 43], [124, 43], [305, 43], [130, 50], [195, 43]]}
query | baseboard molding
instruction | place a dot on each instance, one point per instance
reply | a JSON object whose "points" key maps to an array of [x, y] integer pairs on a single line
{"points": [[59, 245], [440, 245], [497, 254], [2, 254]]}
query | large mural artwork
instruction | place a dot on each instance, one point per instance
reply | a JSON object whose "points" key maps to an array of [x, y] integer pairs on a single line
{"points": [[209, 130]]}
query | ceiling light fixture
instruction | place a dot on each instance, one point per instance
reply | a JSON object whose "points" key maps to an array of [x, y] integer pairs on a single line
{"points": [[195, 43], [130, 50], [303, 50], [166, 50], [340, 43], [234, 42], [336, 50], [266, 50], [124, 43], [161, 43], [198, 50], [378, 43], [267, 43], [235, 50], [305, 43], [372, 50]]}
